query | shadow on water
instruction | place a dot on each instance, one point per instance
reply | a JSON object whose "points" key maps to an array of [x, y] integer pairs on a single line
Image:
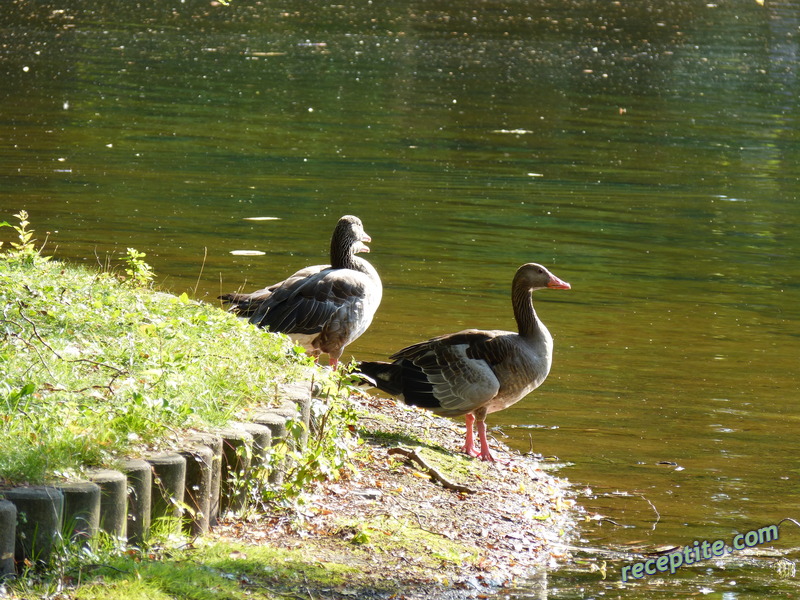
{"points": [[646, 152]]}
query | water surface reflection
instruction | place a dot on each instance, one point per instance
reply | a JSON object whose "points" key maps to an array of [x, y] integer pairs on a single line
{"points": [[647, 152]]}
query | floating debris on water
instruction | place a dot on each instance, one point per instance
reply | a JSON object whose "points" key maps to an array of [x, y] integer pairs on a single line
{"points": [[266, 54], [262, 219], [247, 253], [513, 131]]}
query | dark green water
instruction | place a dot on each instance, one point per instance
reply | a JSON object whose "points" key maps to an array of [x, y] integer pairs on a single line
{"points": [[647, 152]]}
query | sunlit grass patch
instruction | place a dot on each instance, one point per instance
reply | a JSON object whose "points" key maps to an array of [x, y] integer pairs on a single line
{"points": [[211, 571], [91, 366]]}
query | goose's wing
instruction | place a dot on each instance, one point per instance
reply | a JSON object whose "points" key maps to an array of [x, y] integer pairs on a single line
{"points": [[248, 305], [454, 374], [328, 298]]}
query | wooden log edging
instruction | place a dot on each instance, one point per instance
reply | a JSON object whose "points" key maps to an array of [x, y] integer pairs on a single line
{"points": [[168, 490], [81, 510], [35, 520], [40, 513], [139, 476], [113, 500], [197, 489], [8, 536], [262, 442], [278, 432], [214, 443], [237, 451]]}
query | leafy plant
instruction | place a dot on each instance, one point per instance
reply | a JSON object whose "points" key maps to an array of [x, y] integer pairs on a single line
{"points": [[328, 453], [25, 244], [24, 249], [139, 272]]}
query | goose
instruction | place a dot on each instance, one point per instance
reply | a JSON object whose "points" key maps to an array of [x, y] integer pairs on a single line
{"points": [[325, 307], [475, 372]]}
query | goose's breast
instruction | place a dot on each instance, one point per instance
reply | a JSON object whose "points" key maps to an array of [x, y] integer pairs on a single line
{"points": [[524, 371]]}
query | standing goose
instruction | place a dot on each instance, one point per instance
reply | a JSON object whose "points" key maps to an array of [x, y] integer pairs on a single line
{"points": [[475, 372], [324, 307]]}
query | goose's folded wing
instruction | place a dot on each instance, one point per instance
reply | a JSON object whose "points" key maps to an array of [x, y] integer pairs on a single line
{"points": [[258, 302], [307, 305], [460, 377]]}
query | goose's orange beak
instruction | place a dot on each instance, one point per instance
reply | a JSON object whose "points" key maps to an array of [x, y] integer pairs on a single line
{"points": [[557, 284]]}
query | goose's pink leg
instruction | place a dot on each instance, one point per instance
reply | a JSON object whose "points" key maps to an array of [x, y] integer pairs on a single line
{"points": [[484, 454], [469, 444]]}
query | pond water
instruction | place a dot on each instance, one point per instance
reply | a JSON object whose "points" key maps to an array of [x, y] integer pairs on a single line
{"points": [[646, 152]]}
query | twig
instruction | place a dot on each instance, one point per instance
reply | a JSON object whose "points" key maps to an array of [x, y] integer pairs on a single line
{"points": [[38, 336], [282, 594], [36, 331], [202, 266], [105, 566], [308, 589], [435, 474], [653, 506], [119, 371], [35, 349], [51, 388], [104, 267], [44, 243], [790, 519]]}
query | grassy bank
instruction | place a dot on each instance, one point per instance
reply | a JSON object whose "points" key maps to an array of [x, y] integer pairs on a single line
{"points": [[95, 364]]}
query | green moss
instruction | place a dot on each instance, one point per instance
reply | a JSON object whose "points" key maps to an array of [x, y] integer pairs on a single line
{"points": [[403, 537], [458, 467], [391, 438]]}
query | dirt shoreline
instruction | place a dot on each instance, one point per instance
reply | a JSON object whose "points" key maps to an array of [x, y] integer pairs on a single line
{"points": [[400, 532]]}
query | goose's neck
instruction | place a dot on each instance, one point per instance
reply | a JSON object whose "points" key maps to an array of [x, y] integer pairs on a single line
{"points": [[360, 264], [524, 313], [342, 255]]}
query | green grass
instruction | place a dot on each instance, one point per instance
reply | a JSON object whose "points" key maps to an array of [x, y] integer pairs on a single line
{"points": [[92, 367], [215, 571]]}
